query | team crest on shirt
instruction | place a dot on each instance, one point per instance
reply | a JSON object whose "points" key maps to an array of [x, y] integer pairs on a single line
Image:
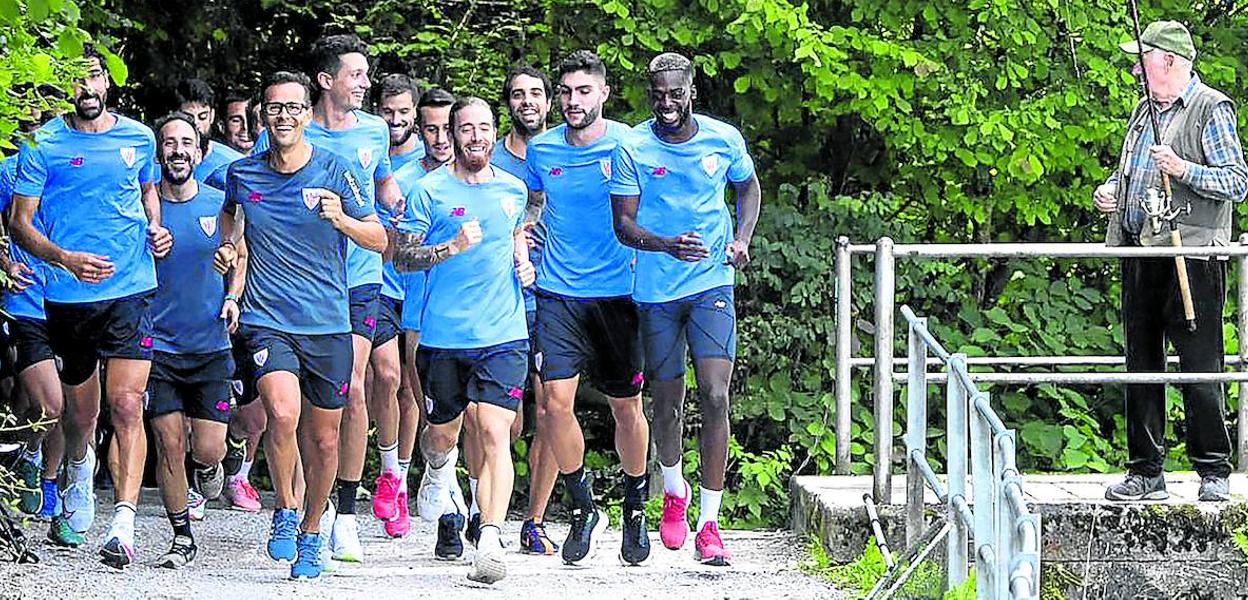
{"points": [[509, 206], [209, 225], [710, 163], [366, 156], [605, 165], [127, 155], [261, 357], [311, 198]]}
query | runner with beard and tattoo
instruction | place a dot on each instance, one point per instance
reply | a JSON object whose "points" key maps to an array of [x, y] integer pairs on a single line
{"points": [[433, 121], [667, 196], [196, 98], [463, 226], [192, 316], [586, 320], [90, 180]]}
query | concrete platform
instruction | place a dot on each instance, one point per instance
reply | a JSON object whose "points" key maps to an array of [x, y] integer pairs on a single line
{"points": [[1177, 548]]}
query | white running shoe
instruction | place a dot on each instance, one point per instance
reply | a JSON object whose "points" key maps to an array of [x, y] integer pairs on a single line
{"points": [[196, 505], [346, 540], [79, 495], [328, 518], [488, 565], [433, 499]]}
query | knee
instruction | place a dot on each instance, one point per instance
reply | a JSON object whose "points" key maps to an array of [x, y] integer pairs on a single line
{"points": [[53, 408], [126, 409], [208, 451], [494, 433], [283, 420], [558, 406], [387, 378], [715, 402], [325, 440]]}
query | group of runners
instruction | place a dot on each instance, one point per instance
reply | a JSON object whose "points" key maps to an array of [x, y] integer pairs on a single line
{"points": [[321, 267]]}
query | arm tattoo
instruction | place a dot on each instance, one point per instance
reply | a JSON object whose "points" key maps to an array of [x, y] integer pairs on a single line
{"points": [[533, 207], [410, 255]]}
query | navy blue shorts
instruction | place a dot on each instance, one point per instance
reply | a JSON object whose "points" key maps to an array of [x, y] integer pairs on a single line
{"points": [[321, 362], [365, 300], [453, 378], [530, 317], [197, 385], [388, 312], [595, 336], [243, 381], [704, 324], [84, 333], [30, 343]]}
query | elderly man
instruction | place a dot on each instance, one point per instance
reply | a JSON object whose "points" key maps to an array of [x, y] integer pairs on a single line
{"points": [[1200, 152]]}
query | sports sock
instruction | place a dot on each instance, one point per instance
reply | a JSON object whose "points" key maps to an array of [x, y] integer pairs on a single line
{"points": [[80, 469], [577, 483], [244, 471], [346, 496], [474, 508], [123, 522], [635, 490], [389, 458], [673, 479], [491, 537], [708, 506], [404, 467], [181, 522]]}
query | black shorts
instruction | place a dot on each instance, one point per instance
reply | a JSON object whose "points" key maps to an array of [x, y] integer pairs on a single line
{"points": [[704, 325], [30, 343], [365, 300], [84, 333], [197, 385], [244, 380], [530, 317], [451, 379], [388, 312], [321, 362], [595, 336]]}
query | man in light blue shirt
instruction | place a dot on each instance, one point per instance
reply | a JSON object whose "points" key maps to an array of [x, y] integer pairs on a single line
{"points": [[90, 178], [196, 98], [667, 195]]}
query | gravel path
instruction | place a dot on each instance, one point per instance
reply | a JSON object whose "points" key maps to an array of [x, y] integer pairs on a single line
{"points": [[231, 564]]}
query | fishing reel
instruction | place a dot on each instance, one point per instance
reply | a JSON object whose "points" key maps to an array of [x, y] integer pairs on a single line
{"points": [[1160, 209]]}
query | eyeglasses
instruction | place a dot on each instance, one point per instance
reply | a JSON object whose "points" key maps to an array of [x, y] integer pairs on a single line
{"points": [[293, 109]]}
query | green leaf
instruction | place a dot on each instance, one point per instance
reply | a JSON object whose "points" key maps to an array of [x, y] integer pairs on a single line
{"points": [[117, 68], [742, 84], [9, 11]]}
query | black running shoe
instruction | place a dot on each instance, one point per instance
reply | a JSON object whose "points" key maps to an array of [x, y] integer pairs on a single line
{"points": [[635, 548], [116, 553], [235, 454], [450, 545], [473, 533], [181, 553], [586, 526]]}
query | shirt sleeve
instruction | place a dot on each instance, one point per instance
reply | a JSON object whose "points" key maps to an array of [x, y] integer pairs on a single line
{"points": [[230, 187], [624, 181], [417, 216], [1225, 177], [8, 172], [532, 179], [216, 178], [384, 167], [149, 172], [262, 143], [32, 172], [742, 166], [347, 185]]}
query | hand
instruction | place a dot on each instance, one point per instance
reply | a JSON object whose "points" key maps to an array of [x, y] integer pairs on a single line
{"points": [[229, 312], [1103, 198], [687, 247], [331, 206], [88, 268], [525, 273], [738, 253], [18, 279], [224, 258], [527, 228], [159, 240], [469, 235], [1167, 161]]}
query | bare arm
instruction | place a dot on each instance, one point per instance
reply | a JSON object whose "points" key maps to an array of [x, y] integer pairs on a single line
{"points": [[151, 204], [533, 208], [412, 255], [686, 246], [389, 195], [749, 203]]}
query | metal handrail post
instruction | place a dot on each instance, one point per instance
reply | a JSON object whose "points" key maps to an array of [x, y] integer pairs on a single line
{"points": [[884, 307], [1004, 539], [956, 430], [1242, 333], [985, 494], [844, 303], [916, 432]]}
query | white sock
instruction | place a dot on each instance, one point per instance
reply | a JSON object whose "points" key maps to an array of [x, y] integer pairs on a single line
{"points": [[404, 467], [82, 470], [708, 506], [389, 458], [490, 538], [674, 480], [123, 522], [474, 508], [243, 471]]}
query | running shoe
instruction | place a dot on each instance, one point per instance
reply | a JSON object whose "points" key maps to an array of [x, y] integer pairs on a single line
{"points": [[385, 499], [210, 483], [117, 553], [450, 546], [1137, 487], [488, 565], [50, 505], [325, 529], [533, 538], [433, 498], [345, 540], [78, 504], [674, 524], [473, 531], [282, 536], [235, 454], [308, 564], [401, 524], [241, 496], [708, 547], [181, 553], [29, 496], [196, 505], [586, 527], [61, 534], [635, 547]]}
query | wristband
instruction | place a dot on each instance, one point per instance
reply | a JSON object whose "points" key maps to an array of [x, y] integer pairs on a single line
{"points": [[231, 297]]}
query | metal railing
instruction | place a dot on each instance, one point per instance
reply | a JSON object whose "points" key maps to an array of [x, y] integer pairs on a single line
{"points": [[882, 362], [1006, 534]]}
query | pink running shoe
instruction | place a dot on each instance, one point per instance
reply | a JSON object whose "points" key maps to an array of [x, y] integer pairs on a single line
{"points": [[400, 524], [708, 548], [241, 496], [674, 525], [386, 495]]}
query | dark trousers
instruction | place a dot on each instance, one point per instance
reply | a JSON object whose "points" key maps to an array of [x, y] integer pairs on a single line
{"points": [[1152, 312]]}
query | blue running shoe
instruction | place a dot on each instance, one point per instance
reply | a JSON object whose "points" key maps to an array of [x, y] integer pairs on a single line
{"points": [[51, 503], [308, 565], [282, 536], [533, 539]]}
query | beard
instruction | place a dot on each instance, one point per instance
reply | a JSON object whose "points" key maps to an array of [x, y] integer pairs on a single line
{"points": [[89, 113], [176, 178], [682, 118], [472, 162], [517, 123], [407, 135], [591, 115]]}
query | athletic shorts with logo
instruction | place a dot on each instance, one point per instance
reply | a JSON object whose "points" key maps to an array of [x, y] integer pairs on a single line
{"points": [[453, 378], [196, 385], [244, 380], [365, 301], [30, 343], [321, 362], [704, 325], [84, 333], [388, 320], [595, 336]]}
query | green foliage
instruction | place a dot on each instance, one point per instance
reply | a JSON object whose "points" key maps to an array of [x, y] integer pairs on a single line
{"points": [[41, 45]]}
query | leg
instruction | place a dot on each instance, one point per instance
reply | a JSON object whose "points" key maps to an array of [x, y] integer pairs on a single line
{"points": [[411, 401], [319, 435], [42, 388], [127, 380], [542, 465], [1145, 285], [353, 441], [497, 472], [567, 441], [207, 441], [170, 434], [279, 393], [1208, 442], [714, 376], [383, 403]]}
